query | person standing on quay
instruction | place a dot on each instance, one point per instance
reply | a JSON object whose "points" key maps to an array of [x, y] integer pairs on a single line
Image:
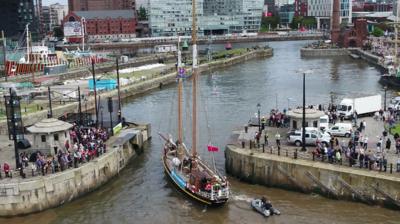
{"points": [[388, 144], [365, 145], [278, 139], [266, 137]]}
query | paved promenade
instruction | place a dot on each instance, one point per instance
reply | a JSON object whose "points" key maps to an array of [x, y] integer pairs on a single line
{"points": [[374, 129]]}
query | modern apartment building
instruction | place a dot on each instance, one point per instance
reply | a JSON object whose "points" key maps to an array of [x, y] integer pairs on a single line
{"points": [[173, 17], [286, 14], [271, 6], [45, 20], [16, 14], [322, 11], [52, 16], [57, 14]]}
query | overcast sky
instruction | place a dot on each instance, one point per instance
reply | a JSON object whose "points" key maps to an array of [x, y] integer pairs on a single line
{"points": [[48, 2]]}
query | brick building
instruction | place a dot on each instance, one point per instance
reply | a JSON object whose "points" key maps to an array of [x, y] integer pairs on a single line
{"points": [[106, 24], [300, 8], [354, 36], [95, 5]]}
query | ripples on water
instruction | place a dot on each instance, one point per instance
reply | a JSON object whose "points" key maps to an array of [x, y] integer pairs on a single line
{"points": [[142, 193]]}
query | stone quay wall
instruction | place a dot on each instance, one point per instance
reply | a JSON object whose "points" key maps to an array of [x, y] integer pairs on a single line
{"points": [[371, 58], [136, 88], [25, 196], [310, 52], [308, 176], [365, 55]]}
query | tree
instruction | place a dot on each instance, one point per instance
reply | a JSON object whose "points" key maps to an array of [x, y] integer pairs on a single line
{"points": [[307, 21], [296, 21], [268, 21], [142, 14], [58, 32], [377, 32]]}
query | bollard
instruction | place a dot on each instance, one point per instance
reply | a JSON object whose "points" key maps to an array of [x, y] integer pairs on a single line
{"points": [[25, 109], [369, 165], [313, 156], [245, 129], [287, 153], [279, 151], [350, 161], [250, 144], [270, 150], [243, 144], [323, 158], [263, 145], [380, 166], [295, 154], [391, 168]]}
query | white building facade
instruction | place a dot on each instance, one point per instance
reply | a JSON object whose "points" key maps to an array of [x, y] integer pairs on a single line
{"points": [[57, 13], [322, 11], [173, 17]]}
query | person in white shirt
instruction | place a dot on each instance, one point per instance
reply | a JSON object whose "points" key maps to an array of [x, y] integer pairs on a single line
{"points": [[365, 141]]}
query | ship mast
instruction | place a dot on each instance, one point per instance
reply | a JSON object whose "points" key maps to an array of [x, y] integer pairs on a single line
{"points": [[194, 79], [27, 42], [396, 33], [179, 75]]}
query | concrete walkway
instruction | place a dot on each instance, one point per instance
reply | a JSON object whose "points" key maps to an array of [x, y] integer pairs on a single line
{"points": [[374, 129]]}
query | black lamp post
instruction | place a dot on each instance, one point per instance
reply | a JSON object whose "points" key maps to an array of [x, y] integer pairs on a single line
{"points": [[303, 132], [384, 104], [101, 115], [259, 117], [86, 111]]}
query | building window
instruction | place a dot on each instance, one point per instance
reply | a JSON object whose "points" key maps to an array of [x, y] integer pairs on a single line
{"points": [[55, 137], [43, 138]]}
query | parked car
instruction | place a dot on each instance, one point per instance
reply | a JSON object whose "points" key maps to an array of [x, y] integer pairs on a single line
{"points": [[311, 138], [341, 129]]}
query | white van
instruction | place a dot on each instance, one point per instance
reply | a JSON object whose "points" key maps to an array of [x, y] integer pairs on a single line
{"points": [[341, 129], [324, 122], [395, 103]]}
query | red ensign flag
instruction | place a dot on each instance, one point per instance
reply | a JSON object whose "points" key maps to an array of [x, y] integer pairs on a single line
{"points": [[212, 148]]}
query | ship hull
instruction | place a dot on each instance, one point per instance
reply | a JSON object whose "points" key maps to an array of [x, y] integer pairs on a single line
{"points": [[188, 193], [390, 81]]}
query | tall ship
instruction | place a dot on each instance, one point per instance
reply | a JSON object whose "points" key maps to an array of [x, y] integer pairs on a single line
{"points": [[26, 58], [391, 64], [185, 168]]}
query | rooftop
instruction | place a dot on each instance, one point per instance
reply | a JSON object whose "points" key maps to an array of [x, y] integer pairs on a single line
{"points": [[49, 125], [310, 113], [102, 14]]}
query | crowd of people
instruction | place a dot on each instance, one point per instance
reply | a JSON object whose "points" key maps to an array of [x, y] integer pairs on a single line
{"points": [[85, 144], [357, 149], [276, 119]]}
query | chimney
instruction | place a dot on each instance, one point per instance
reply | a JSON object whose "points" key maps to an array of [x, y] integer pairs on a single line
{"points": [[335, 31]]}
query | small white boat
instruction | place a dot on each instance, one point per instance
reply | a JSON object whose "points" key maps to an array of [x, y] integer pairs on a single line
{"points": [[256, 204]]}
